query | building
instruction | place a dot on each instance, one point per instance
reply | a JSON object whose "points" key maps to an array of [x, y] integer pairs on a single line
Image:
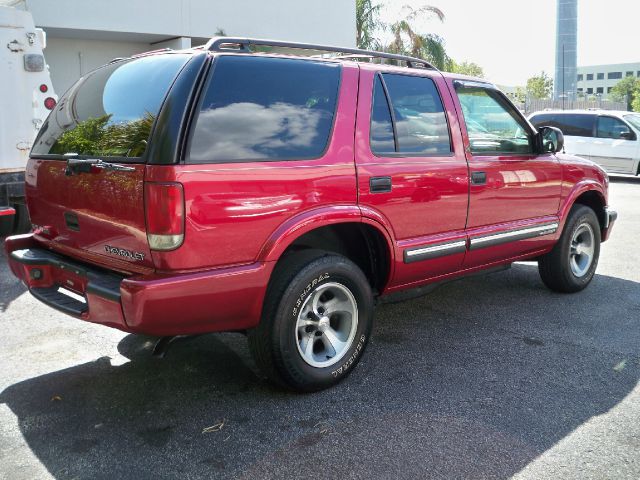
{"points": [[564, 85], [600, 79], [82, 35]]}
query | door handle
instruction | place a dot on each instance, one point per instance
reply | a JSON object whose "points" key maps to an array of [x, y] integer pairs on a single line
{"points": [[380, 184], [478, 178]]}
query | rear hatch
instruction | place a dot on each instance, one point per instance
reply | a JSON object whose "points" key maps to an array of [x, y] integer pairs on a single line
{"points": [[85, 177]]}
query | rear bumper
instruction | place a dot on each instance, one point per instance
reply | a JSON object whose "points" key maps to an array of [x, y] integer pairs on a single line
{"points": [[610, 217], [214, 300]]}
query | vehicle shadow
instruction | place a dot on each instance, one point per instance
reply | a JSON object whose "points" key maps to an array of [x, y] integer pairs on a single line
{"points": [[624, 179], [473, 381]]}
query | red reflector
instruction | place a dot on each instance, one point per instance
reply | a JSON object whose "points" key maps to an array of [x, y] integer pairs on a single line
{"points": [[164, 206], [49, 103], [44, 88]]}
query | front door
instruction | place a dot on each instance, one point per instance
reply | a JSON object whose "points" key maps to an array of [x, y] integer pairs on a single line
{"points": [[515, 191], [615, 146], [412, 173]]}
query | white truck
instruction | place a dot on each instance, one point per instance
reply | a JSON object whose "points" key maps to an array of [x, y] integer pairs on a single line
{"points": [[26, 98]]}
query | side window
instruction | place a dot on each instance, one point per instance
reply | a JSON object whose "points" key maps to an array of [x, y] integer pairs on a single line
{"points": [[259, 109], [576, 125], [570, 124], [610, 127], [416, 117], [382, 140], [493, 125]]}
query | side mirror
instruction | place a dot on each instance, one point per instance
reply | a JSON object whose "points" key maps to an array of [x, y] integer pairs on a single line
{"points": [[551, 139]]}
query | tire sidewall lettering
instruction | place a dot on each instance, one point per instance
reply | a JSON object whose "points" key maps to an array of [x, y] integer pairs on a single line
{"points": [[302, 297]]}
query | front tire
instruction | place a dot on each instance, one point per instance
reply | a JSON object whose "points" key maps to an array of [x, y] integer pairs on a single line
{"points": [[316, 321], [572, 263]]}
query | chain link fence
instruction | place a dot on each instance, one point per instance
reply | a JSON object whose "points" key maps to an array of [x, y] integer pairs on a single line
{"points": [[535, 105]]}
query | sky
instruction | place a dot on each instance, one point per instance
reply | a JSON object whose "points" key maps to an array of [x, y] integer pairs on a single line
{"points": [[513, 40]]}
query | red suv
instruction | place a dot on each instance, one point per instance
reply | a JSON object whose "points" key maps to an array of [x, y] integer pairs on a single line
{"points": [[222, 189]]}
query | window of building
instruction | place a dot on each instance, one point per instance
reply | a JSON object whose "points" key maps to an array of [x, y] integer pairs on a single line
{"points": [[589, 90], [609, 89], [417, 114], [600, 76], [614, 75], [629, 74], [580, 77], [589, 76], [260, 109], [638, 73], [600, 90], [493, 124], [580, 90]]}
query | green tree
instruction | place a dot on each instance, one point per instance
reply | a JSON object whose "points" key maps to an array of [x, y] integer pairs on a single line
{"points": [[367, 23], [466, 68], [540, 86], [406, 41], [626, 89]]}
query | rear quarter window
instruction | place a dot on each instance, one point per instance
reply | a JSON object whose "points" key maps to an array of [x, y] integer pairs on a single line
{"points": [[265, 109], [110, 111]]}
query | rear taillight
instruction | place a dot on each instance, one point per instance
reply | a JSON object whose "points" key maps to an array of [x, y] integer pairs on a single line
{"points": [[49, 103], [44, 88], [164, 209]]}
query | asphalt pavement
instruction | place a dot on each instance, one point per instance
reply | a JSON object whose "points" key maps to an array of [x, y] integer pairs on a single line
{"points": [[486, 377]]}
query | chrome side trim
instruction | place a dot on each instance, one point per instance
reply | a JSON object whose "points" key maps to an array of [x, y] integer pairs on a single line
{"points": [[418, 254], [513, 235]]}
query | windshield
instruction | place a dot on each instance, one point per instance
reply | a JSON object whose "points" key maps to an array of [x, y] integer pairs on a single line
{"points": [[110, 111], [634, 120]]}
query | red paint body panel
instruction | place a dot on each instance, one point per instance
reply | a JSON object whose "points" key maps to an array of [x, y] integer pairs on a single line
{"points": [[108, 206], [241, 217], [233, 208]]}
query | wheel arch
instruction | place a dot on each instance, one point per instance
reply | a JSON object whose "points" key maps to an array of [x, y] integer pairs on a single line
{"points": [[590, 194], [341, 230]]}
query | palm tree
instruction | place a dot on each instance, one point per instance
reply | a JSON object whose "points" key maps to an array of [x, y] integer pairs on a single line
{"points": [[367, 22], [407, 41]]}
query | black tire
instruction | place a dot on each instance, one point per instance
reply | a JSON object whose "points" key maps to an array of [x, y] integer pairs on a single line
{"points": [[555, 267], [274, 343]]}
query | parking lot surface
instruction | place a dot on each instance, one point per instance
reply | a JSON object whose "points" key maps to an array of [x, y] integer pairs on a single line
{"points": [[486, 377]]}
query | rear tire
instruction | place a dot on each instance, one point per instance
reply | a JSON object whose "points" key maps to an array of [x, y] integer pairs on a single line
{"points": [[572, 263], [316, 321]]}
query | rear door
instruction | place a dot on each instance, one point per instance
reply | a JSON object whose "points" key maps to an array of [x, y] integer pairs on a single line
{"points": [[97, 212], [615, 145], [411, 169], [515, 191]]}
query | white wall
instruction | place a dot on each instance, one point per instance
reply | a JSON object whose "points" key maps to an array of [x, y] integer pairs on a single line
{"points": [[84, 34], [69, 59], [314, 21]]}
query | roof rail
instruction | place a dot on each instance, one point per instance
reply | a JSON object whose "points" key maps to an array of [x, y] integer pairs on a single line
{"points": [[241, 45]]}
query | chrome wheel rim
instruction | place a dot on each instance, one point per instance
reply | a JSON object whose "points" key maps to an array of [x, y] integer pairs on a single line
{"points": [[582, 250], [326, 325]]}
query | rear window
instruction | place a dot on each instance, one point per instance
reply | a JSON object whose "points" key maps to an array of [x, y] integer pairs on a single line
{"points": [[110, 111], [576, 125], [265, 109]]}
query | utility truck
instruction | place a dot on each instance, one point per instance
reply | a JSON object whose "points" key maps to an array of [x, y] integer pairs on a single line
{"points": [[26, 99]]}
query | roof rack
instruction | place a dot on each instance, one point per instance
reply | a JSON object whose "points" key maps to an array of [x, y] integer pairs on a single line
{"points": [[241, 45]]}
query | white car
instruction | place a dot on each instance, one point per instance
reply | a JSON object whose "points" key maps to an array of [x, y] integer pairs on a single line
{"points": [[609, 138]]}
